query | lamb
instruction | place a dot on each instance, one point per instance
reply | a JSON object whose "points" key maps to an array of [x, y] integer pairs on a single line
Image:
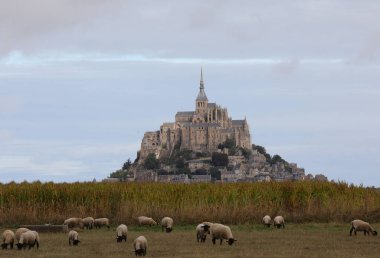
{"points": [[202, 230], [279, 221], [98, 223], [140, 244], [88, 222], [29, 238], [360, 225], [220, 231], [73, 237], [267, 221], [146, 221], [74, 222], [167, 224], [8, 239], [18, 233], [121, 233]]}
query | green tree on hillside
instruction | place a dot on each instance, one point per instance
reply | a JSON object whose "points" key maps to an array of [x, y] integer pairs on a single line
{"points": [[151, 162]]}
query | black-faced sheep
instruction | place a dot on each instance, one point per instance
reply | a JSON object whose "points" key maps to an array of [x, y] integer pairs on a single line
{"points": [[267, 221], [140, 245], [219, 231], [73, 237], [74, 223], [146, 221], [202, 231], [29, 238], [100, 222], [360, 225], [279, 222], [88, 222], [19, 232], [167, 224], [121, 233], [8, 239]]}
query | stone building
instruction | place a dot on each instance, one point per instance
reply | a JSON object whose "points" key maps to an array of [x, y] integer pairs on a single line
{"points": [[201, 130]]}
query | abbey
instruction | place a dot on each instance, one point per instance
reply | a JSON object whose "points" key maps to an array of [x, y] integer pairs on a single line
{"points": [[201, 130]]}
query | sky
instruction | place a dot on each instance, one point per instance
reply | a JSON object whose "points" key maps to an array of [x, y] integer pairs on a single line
{"points": [[81, 81]]}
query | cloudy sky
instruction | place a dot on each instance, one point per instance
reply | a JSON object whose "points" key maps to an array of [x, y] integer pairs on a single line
{"points": [[81, 81]]}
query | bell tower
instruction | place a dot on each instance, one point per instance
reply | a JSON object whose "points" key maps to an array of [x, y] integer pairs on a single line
{"points": [[201, 102]]}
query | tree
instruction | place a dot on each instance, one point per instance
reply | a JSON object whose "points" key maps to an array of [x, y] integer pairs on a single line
{"points": [[219, 159], [215, 174], [151, 162], [259, 148], [277, 158], [180, 163], [127, 165]]}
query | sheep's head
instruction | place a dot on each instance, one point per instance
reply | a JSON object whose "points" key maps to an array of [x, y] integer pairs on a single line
{"points": [[19, 246], [119, 238], [139, 252], [206, 228], [168, 230], [231, 241], [76, 242], [374, 233], [4, 246]]}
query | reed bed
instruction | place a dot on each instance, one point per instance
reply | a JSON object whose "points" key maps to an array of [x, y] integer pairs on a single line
{"points": [[233, 203]]}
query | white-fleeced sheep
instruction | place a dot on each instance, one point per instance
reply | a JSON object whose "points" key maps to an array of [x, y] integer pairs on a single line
{"points": [[267, 220], [100, 222], [146, 221], [88, 222], [360, 225], [220, 231], [73, 237], [279, 222], [140, 245], [8, 239], [167, 224], [121, 233], [29, 238], [18, 233], [202, 230], [74, 223]]}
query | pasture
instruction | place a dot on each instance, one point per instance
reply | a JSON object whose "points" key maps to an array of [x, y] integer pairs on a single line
{"points": [[296, 240]]}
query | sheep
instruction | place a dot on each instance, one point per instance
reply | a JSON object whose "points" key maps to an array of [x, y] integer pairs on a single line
{"points": [[73, 238], [88, 222], [18, 233], [267, 221], [359, 225], [167, 224], [140, 245], [8, 239], [29, 238], [202, 230], [74, 222], [100, 222], [220, 231], [121, 233], [146, 221], [279, 221]]}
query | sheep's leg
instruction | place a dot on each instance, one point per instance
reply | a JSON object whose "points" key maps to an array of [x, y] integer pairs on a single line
{"points": [[221, 240], [213, 240], [352, 229]]}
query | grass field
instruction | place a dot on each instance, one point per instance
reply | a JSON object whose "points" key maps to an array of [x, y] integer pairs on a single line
{"points": [[296, 240]]}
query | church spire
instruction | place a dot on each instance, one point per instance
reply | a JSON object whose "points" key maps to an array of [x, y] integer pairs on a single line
{"points": [[202, 95]]}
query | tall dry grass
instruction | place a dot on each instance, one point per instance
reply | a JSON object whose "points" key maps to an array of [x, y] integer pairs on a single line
{"points": [[235, 203]]}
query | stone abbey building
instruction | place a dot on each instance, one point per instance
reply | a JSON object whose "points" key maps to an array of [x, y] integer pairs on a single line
{"points": [[201, 130]]}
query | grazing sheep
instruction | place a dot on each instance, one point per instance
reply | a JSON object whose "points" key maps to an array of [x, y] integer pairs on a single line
{"points": [[29, 238], [167, 224], [202, 231], [267, 220], [140, 244], [359, 225], [74, 222], [73, 237], [18, 233], [146, 221], [98, 223], [121, 233], [279, 221], [219, 231], [88, 222], [8, 239]]}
